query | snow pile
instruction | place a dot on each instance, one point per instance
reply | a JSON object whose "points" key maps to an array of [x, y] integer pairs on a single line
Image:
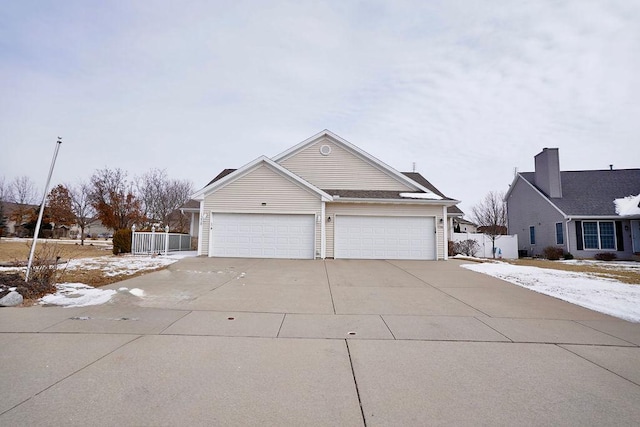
{"points": [[628, 205], [604, 295], [426, 196], [77, 295]]}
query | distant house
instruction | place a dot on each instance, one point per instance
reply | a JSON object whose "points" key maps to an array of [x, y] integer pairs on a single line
{"points": [[94, 229], [462, 225], [584, 212], [322, 198], [17, 216]]}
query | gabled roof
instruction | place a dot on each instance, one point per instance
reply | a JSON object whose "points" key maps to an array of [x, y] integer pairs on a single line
{"points": [[225, 178], [353, 149], [221, 175], [591, 192]]}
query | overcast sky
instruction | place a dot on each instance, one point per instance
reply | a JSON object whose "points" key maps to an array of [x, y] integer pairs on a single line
{"points": [[468, 90]]}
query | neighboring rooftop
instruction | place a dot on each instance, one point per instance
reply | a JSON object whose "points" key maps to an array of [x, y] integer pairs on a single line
{"points": [[592, 192]]}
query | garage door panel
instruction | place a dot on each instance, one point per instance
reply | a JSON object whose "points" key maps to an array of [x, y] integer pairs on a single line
{"points": [[263, 236], [373, 237]]}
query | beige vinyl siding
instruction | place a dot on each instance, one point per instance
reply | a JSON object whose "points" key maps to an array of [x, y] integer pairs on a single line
{"points": [[261, 185], [340, 170], [373, 209]]}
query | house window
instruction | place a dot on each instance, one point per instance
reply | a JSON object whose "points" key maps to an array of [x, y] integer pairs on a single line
{"points": [[532, 235], [599, 235], [559, 234]]}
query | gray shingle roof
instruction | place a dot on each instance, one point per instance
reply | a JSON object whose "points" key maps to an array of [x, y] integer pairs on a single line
{"points": [[415, 176], [591, 193]]}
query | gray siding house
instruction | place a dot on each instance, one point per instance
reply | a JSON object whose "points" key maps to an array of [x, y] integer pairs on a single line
{"points": [[574, 210]]}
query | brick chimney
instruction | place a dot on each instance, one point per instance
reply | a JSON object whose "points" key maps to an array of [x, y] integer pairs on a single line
{"points": [[547, 173]]}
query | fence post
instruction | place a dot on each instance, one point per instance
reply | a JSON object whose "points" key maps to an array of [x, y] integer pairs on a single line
{"points": [[133, 239], [166, 240], [153, 240]]}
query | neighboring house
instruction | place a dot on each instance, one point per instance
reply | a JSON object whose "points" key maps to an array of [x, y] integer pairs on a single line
{"points": [[94, 229], [462, 225], [323, 198], [11, 211], [583, 212]]}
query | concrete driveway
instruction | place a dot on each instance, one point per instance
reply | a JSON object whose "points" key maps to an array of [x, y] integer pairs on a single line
{"points": [[282, 342]]}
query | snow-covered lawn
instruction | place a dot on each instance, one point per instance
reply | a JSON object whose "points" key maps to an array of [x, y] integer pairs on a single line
{"points": [[81, 295], [127, 264], [607, 296]]}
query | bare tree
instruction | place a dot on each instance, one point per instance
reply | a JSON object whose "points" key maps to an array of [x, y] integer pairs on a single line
{"points": [[112, 197], [491, 216], [23, 193], [161, 196], [81, 206]]}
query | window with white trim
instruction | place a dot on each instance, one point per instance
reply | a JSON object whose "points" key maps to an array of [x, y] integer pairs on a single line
{"points": [[599, 234], [559, 234]]}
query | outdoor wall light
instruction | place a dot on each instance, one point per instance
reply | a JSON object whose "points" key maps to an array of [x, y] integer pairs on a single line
{"points": [[328, 219]]}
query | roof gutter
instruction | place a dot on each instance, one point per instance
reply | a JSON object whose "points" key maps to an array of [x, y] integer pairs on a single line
{"points": [[395, 201]]}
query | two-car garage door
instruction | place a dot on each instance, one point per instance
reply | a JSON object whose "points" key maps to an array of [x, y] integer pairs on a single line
{"points": [[293, 236], [262, 236], [385, 237]]}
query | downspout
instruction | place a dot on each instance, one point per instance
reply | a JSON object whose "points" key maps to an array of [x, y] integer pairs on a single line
{"points": [[201, 227], [445, 225], [566, 230], [323, 232]]}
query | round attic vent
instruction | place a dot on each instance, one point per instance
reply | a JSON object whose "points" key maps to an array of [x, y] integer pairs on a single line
{"points": [[325, 150]]}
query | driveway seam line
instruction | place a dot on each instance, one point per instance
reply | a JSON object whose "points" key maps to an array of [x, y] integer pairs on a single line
{"points": [[606, 333], [284, 316], [174, 322], [355, 382], [333, 304], [598, 365], [491, 327], [70, 375], [438, 289], [385, 324]]}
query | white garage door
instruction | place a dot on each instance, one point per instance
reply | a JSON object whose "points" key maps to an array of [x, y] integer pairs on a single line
{"points": [[383, 237], [262, 236]]}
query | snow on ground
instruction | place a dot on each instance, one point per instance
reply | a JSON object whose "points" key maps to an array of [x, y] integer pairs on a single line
{"points": [[77, 295], [600, 294], [128, 264], [81, 295], [629, 205]]}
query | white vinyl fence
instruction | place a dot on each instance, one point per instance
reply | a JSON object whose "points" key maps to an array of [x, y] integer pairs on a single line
{"points": [[506, 246], [152, 242]]}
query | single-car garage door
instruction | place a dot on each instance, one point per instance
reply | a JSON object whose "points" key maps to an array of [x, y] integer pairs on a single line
{"points": [[383, 237], [262, 236]]}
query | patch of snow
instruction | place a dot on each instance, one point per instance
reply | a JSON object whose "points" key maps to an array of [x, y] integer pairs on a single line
{"points": [[608, 265], [629, 205], [117, 265], [137, 292], [607, 296], [427, 196], [77, 295]]}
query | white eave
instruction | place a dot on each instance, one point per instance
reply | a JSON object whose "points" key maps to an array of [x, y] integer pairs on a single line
{"points": [[395, 201]]}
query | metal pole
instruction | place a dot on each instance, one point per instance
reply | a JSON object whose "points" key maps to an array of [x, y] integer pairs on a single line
{"points": [[44, 198]]}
